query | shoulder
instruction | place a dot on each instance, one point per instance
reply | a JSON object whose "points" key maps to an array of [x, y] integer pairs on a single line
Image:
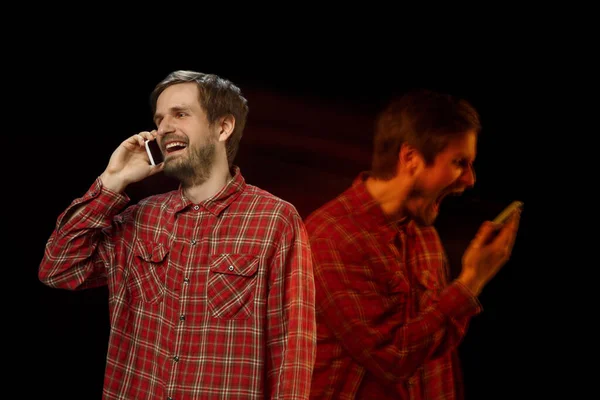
{"points": [[259, 200], [159, 201], [336, 220], [154, 204]]}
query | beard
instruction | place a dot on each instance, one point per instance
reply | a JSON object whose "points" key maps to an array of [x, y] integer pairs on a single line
{"points": [[427, 212], [427, 215], [194, 169]]}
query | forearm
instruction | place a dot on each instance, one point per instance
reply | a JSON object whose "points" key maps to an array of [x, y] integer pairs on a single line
{"points": [[113, 182], [293, 353], [471, 282], [395, 348], [291, 319], [73, 257], [457, 326]]}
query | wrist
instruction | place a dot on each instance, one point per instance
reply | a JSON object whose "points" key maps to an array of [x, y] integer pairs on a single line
{"points": [[471, 282], [112, 182]]}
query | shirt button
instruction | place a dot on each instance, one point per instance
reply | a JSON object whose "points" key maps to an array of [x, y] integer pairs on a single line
{"points": [[186, 281], [196, 207], [231, 268], [170, 398], [182, 317], [176, 358], [193, 242]]}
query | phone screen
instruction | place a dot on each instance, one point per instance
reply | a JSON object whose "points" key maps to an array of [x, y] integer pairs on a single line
{"points": [[154, 153]]}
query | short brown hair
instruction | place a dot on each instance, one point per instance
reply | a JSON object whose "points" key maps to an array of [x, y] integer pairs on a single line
{"points": [[423, 118]]}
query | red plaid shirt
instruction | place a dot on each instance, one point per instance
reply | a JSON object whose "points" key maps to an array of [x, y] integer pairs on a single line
{"points": [[388, 324], [207, 301]]}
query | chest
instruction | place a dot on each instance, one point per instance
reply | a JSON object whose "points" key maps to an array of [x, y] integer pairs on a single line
{"points": [[411, 269]]}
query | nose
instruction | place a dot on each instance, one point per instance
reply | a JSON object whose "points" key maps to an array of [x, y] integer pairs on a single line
{"points": [[468, 176], [165, 126]]}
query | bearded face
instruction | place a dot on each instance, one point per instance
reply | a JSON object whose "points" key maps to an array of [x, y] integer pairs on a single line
{"points": [[191, 164]]}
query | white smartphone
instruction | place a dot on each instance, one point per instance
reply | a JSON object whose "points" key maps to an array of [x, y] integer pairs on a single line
{"points": [[154, 153], [508, 211]]}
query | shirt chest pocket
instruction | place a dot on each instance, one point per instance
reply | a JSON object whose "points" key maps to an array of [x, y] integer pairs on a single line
{"points": [[231, 285], [429, 273], [148, 272]]}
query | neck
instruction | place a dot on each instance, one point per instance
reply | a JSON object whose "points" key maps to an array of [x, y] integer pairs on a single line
{"points": [[392, 195], [218, 178]]}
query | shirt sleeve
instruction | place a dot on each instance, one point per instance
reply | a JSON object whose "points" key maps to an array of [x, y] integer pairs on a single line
{"points": [[382, 341], [75, 254], [291, 342]]}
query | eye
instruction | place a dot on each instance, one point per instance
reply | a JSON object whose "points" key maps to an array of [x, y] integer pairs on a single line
{"points": [[180, 114]]}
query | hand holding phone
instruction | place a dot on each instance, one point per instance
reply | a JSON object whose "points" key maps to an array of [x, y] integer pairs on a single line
{"points": [[508, 211], [154, 154]]}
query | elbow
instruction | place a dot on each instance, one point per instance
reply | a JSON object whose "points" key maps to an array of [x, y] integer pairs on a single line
{"points": [[46, 277], [400, 374], [56, 276]]}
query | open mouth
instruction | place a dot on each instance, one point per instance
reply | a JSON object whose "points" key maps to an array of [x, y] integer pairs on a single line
{"points": [[440, 198], [174, 147]]}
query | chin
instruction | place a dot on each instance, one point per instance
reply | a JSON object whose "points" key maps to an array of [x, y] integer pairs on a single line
{"points": [[426, 219], [423, 221], [428, 222]]}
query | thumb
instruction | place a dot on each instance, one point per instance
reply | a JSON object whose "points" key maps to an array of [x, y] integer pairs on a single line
{"points": [[486, 232]]}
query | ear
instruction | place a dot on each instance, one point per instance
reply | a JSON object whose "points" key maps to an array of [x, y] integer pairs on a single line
{"points": [[410, 160], [225, 127]]}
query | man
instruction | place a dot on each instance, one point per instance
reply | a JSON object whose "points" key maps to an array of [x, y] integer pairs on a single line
{"points": [[210, 286], [388, 322]]}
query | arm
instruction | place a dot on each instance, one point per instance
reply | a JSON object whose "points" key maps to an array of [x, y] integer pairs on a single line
{"points": [[75, 255], [291, 342], [451, 337], [380, 339], [487, 253]]}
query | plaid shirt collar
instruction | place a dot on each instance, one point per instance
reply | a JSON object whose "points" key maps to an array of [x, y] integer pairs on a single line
{"points": [[215, 204], [369, 212]]}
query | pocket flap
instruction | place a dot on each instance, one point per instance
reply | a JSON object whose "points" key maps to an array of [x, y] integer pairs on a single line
{"points": [[427, 279], [234, 264], [151, 251]]}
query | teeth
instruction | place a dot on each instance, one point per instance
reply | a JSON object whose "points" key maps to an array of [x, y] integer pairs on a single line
{"points": [[173, 144]]}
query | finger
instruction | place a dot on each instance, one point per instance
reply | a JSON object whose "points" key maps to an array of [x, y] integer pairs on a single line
{"points": [[508, 234], [136, 140], [511, 225], [143, 136], [487, 230], [512, 228], [154, 169]]}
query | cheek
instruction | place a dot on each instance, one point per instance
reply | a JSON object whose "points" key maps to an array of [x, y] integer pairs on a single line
{"points": [[447, 179], [453, 174], [457, 174]]}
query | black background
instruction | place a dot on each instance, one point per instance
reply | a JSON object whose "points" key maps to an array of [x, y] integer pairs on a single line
{"points": [[308, 135]]}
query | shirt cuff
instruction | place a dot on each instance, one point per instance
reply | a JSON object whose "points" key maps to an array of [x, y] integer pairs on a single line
{"points": [[106, 201], [457, 301]]}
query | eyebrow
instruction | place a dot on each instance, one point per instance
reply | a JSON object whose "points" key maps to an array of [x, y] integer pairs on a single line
{"points": [[174, 109]]}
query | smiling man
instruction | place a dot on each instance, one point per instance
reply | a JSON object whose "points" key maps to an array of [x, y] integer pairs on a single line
{"points": [[388, 321], [211, 289]]}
